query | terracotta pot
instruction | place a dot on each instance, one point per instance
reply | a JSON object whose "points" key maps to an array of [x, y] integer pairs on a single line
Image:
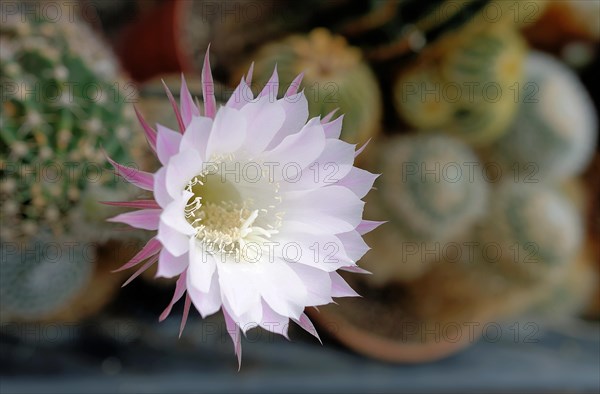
{"points": [[150, 46], [383, 348]]}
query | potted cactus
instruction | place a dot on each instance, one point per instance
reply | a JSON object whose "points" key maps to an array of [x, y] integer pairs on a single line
{"points": [[61, 107]]}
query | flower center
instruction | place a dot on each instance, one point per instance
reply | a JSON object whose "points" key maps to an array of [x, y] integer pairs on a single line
{"points": [[224, 221]]}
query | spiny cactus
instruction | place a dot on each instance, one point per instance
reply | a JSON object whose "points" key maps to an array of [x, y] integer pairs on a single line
{"points": [[40, 276], [531, 233], [470, 92], [431, 185], [334, 77], [62, 102], [556, 128]]}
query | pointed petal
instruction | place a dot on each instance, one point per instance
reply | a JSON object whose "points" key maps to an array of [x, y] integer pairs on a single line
{"points": [[150, 249], [145, 219], [141, 204], [179, 291], [175, 107], [249, 75], [359, 181], [366, 226], [208, 88], [186, 312], [362, 148], [234, 333], [241, 96], [143, 268], [273, 321], [328, 117], [143, 180], [308, 326], [272, 87], [333, 129], [149, 131], [188, 108], [356, 269], [339, 287], [294, 86]]}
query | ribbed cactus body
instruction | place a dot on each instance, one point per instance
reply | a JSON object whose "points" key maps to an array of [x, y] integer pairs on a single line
{"points": [[470, 92], [531, 232], [335, 76], [556, 127], [62, 103], [40, 276], [431, 185]]}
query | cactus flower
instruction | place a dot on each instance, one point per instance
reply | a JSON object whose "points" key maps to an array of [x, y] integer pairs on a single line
{"points": [[256, 207]]}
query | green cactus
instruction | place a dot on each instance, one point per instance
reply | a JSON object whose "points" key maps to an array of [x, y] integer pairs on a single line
{"points": [[62, 102], [530, 234], [40, 276], [432, 186], [470, 92], [334, 77], [556, 128]]}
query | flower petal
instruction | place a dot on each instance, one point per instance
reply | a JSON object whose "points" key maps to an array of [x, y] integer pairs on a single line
{"points": [[161, 195], [296, 115], [238, 285], [366, 226], [209, 302], [359, 181], [288, 297], [334, 209], [339, 287], [188, 107], [149, 131], [180, 287], [145, 219], [167, 143], [143, 180], [264, 120], [298, 149], [202, 266], [317, 282], [273, 321], [308, 326], [196, 135], [170, 266], [182, 168], [333, 129], [228, 132]]}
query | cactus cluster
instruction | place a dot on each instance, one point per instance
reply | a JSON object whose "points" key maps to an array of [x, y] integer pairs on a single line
{"points": [[335, 76], [62, 104]]}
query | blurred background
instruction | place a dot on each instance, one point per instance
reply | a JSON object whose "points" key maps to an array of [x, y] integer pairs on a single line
{"points": [[481, 116]]}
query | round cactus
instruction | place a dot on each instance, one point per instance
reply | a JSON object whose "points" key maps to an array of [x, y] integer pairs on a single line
{"points": [[556, 127], [40, 276], [62, 102], [468, 92], [418, 98], [432, 186], [531, 232], [571, 293], [334, 77]]}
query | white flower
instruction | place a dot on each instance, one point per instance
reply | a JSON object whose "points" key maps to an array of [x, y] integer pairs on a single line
{"points": [[256, 207]]}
